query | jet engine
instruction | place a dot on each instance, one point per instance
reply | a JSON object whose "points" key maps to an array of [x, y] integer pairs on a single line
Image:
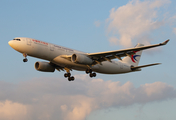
{"points": [[44, 67], [82, 59]]}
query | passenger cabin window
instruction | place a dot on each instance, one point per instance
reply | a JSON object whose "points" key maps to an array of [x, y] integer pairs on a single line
{"points": [[17, 39]]}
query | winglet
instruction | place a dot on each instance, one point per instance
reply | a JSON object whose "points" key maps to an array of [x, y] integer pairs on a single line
{"points": [[165, 42]]}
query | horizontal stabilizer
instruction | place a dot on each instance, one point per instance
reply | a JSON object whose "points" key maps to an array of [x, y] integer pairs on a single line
{"points": [[137, 67]]}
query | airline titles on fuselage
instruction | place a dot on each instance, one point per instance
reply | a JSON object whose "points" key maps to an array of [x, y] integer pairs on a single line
{"points": [[41, 42], [45, 43]]}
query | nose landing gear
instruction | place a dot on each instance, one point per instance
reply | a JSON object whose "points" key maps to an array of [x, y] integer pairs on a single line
{"points": [[25, 57]]}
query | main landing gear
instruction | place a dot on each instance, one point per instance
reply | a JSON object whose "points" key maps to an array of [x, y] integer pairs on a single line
{"points": [[91, 74], [70, 78], [25, 59]]}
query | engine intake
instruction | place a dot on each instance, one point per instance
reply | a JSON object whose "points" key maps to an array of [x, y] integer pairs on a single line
{"points": [[44, 67], [82, 59]]}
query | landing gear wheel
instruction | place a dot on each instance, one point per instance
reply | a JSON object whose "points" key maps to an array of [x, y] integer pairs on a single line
{"points": [[89, 71], [67, 75], [71, 78], [92, 75], [25, 60], [25, 57]]}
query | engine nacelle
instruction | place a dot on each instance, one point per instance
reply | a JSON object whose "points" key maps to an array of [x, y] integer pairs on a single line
{"points": [[82, 59], [44, 67]]}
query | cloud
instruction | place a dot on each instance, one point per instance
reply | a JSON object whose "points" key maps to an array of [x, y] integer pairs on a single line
{"points": [[171, 22], [10, 110], [97, 23], [134, 20], [113, 40], [174, 30], [53, 98]]}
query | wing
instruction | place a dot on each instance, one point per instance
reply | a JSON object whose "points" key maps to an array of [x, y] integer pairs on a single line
{"points": [[108, 55], [57, 66]]}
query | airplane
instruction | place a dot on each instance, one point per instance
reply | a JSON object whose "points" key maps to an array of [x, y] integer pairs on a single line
{"points": [[66, 59]]}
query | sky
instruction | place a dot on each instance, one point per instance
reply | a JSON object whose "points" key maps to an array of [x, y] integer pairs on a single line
{"points": [[89, 26]]}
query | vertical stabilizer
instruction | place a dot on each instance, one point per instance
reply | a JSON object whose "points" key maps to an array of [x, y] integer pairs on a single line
{"points": [[134, 59]]}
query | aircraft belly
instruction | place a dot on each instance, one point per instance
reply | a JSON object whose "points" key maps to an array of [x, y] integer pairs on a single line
{"points": [[113, 68]]}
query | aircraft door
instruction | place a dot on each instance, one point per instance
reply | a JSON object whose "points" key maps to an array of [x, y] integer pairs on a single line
{"points": [[28, 41], [51, 47]]}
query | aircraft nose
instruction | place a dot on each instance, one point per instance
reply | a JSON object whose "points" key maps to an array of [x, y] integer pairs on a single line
{"points": [[10, 42]]}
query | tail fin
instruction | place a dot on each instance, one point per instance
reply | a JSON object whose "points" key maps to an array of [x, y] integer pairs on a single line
{"points": [[134, 59]]}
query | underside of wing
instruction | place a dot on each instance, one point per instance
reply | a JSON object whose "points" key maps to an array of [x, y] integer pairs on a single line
{"points": [[68, 57], [59, 68]]}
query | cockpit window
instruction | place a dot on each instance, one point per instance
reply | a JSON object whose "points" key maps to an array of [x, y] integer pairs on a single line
{"points": [[17, 39]]}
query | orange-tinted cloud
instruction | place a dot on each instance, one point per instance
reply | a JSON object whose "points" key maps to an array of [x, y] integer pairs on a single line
{"points": [[53, 98], [134, 20], [12, 110]]}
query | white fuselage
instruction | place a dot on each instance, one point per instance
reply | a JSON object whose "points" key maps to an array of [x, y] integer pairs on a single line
{"points": [[55, 53]]}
